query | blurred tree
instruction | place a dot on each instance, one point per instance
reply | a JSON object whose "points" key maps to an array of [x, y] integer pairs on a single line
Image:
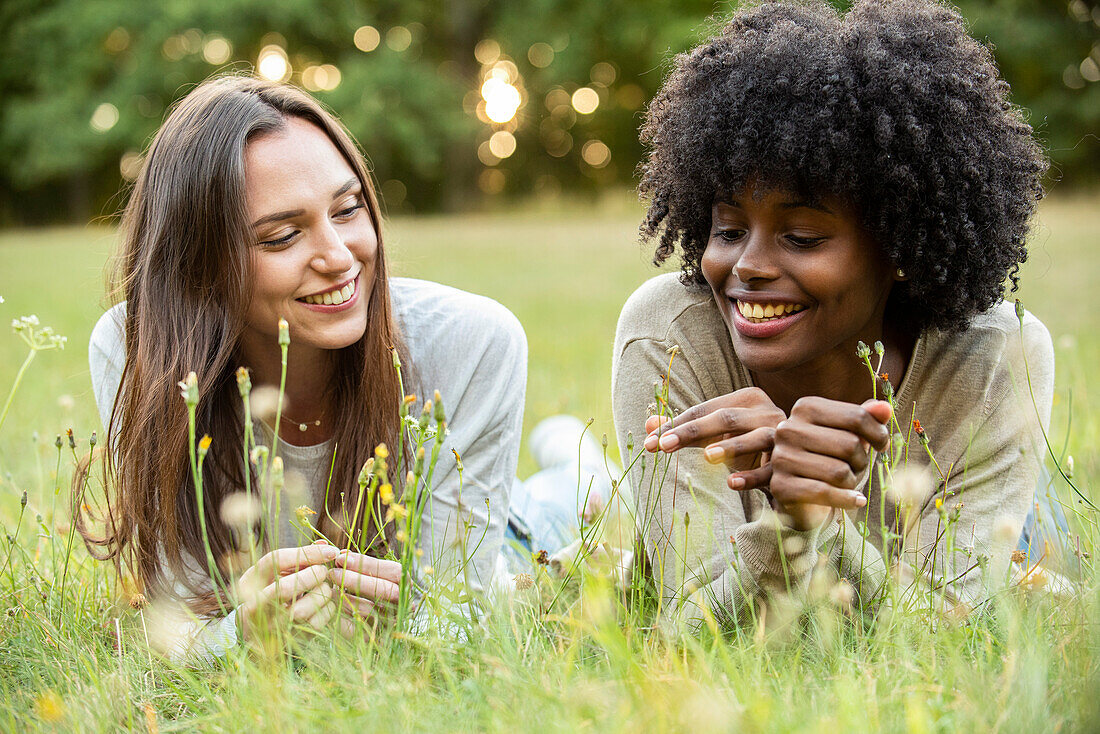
{"points": [[85, 83]]}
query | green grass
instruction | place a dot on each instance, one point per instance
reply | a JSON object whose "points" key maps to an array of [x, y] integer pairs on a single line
{"points": [[592, 666]]}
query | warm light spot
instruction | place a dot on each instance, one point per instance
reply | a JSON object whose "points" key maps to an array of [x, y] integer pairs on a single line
{"points": [[216, 50], [399, 38], [558, 142], [273, 64], [506, 70], [603, 73], [585, 100], [130, 165], [485, 154], [104, 118], [502, 144], [367, 38], [487, 51], [1090, 70], [596, 154], [491, 181], [502, 100], [322, 78], [394, 193], [540, 55], [1072, 78], [557, 97], [117, 41], [173, 48]]}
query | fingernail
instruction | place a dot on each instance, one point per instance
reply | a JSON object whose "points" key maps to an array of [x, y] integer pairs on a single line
{"points": [[669, 441], [651, 442], [861, 501], [736, 483], [714, 454]]}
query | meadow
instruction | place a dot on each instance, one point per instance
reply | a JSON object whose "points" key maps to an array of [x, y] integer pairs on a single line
{"points": [[565, 271]]}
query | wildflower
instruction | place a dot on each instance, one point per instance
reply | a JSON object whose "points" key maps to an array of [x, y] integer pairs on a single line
{"points": [[440, 415], [366, 472], [189, 389], [428, 570], [542, 558], [23, 500], [1069, 466], [57, 441], [385, 492], [884, 376], [72, 438], [302, 513], [458, 460], [523, 581], [418, 465], [396, 359], [381, 452], [284, 333], [400, 536], [49, 707], [244, 381], [673, 350], [629, 443], [425, 416], [919, 430], [1019, 310], [396, 511], [419, 552], [204, 444], [410, 399], [842, 594], [1019, 556], [150, 718], [138, 601], [603, 442], [879, 349], [910, 485], [277, 472], [93, 440], [862, 350]]}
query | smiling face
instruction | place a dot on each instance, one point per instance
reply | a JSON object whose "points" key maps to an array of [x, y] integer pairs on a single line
{"points": [[797, 282], [313, 261]]}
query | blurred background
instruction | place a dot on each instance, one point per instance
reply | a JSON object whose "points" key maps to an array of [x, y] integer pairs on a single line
{"points": [[503, 136], [458, 103]]}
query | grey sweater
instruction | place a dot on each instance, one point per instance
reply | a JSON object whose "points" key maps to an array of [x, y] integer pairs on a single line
{"points": [[714, 550], [471, 349]]}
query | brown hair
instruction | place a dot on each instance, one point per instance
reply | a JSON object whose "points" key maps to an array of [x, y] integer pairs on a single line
{"points": [[184, 270]]}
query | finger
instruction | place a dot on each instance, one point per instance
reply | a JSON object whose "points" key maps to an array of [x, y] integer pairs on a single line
{"points": [[284, 561], [791, 490], [347, 627], [323, 616], [880, 410], [303, 608], [369, 565], [845, 416], [797, 462], [752, 479], [753, 442], [719, 425], [288, 588], [834, 442], [368, 587], [355, 606], [653, 421]]}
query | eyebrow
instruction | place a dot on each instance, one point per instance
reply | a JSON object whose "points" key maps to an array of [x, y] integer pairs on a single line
{"points": [[291, 213]]}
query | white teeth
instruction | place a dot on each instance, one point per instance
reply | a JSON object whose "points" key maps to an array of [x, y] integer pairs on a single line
{"points": [[347, 291], [756, 311], [337, 298]]}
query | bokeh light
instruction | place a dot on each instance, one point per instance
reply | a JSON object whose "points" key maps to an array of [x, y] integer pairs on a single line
{"points": [[104, 118], [485, 154], [399, 38], [130, 165], [540, 55], [117, 41], [487, 51], [502, 144], [273, 64], [216, 49], [321, 78], [393, 193], [492, 181], [502, 99], [367, 38], [603, 73], [596, 153], [586, 100]]}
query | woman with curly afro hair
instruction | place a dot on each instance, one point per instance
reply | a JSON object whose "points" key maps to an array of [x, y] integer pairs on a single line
{"points": [[833, 181]]}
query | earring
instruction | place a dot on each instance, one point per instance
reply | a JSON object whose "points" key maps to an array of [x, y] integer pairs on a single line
{"points": [[901, 274]]}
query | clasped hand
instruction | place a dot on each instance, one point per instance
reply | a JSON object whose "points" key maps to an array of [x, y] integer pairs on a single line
{"points": [[809, 461], [312, 582]]}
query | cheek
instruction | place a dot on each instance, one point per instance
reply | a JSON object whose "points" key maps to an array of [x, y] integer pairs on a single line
{"points": [[272, 282], [714, 267]]}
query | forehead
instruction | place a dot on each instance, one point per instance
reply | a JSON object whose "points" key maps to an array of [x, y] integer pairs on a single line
{"points": [[292, 168]]}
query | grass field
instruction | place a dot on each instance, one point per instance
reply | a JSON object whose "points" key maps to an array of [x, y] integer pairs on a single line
{"points": [[564, 273]]}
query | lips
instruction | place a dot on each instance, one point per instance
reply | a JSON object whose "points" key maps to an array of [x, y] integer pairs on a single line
{"points": [[336, 299], [763, 319]]}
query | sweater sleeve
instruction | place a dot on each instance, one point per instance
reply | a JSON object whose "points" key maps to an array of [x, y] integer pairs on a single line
{"points": [[711, 549], [957, 544], [476, 356]]}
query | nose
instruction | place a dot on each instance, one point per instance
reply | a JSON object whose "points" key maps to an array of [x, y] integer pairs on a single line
{"points": [[332, 254], [756, 260]]}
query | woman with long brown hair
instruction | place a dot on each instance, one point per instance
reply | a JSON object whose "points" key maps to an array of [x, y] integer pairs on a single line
{"points": [[255, 206]]}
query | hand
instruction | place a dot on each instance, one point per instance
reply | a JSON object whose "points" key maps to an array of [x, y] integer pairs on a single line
{"points": [[293, 578], [737, 428], [361, 582], [819, 452]]}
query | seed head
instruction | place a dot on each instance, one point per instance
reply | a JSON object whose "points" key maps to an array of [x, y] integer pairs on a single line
{"points": [[523, 581], [93, 440], [72, 438], [57, 441], [1019, 310], [366, 472], [879, 349], [277, 476], [189, 389], [1069, 466], [603, 442], [440, 414], [284, 333], [138, 601], [629, 443], [23, 500], [862, 350]]}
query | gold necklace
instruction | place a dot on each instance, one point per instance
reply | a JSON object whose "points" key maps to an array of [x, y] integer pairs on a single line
{"points": [[303, 427]]}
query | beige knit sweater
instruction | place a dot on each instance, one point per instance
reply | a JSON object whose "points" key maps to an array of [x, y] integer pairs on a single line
{"points": [[715, 549]]}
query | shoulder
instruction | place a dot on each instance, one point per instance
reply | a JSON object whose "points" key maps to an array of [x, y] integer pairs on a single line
{"points": [[663, 306], [108, 339], [439, 322]]}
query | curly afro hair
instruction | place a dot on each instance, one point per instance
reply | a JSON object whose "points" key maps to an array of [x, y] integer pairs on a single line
{"points": [[891, 107]]}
